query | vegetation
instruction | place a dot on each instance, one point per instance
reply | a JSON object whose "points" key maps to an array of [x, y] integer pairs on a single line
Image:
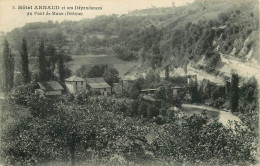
{"points": [[133, 129], [108, 130], [234, 89], [8, 68], [25, 62], [43, 70], [108, 72]]}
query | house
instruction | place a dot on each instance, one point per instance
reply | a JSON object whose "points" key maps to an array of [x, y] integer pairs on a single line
{"points": [[191, 80], [75, 84], [149, 91], [50, 88], [177, 89], [98, 86]]}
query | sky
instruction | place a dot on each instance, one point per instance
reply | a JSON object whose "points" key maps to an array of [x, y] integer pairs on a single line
{"points": [[11, 18]]}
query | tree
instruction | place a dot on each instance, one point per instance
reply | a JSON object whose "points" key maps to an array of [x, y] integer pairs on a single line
{"points": [[8, 68], [25, 62], [43, 73], [137, 87], [156, 56], [110, 75], [83, 71], [167, 73], [234, 93], [51, 53], [61, 68], [97, 71]]}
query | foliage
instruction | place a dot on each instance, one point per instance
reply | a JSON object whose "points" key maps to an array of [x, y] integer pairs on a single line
{"points": [[137, 87], [214, 95], [110, 75], [97, 71], [123, 53], [83, 71], [21, 94], [108, 72], [44, 74], [199, 141], [25, 61], [248, 105], [63, 71], [101, 128], [234, 89], [8, 68]]}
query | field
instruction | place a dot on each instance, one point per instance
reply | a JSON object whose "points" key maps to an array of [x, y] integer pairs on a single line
{"points": [[121, 66]]}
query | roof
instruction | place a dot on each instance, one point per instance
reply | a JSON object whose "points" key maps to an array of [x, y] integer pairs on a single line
{"points": [[74, 78], [50, 85], [177, 87], [97, 83], [147, 90]]}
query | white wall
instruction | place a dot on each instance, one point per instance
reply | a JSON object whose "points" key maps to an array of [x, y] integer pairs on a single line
{"points": [[70, 87], [73, 88]]}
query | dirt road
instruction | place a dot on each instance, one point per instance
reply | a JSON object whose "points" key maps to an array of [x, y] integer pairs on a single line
{"points": [[223, 116]]}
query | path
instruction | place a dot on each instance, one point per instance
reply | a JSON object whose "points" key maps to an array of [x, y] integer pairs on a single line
{"points": [[2, 96], [223, 116]]}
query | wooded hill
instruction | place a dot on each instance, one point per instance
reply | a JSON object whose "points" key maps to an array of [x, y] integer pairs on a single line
{"points": [[157, 36]]}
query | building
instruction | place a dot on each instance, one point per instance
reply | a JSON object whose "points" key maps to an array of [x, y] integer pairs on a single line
{"points": [[75, 84], [191, 80], [177, 89], [149, 91], [50, 88], [98, 86]]}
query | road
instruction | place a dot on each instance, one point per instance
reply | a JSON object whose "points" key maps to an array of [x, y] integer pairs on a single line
{"points": [[223, 116], [2, 96]]}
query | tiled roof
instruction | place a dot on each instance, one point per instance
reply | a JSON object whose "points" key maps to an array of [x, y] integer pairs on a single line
{"points": [[74, 78], [97, 83], [50, 85]]}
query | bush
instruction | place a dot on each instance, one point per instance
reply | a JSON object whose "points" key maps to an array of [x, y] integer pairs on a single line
{"points": [[21, 94], [100, 128]]}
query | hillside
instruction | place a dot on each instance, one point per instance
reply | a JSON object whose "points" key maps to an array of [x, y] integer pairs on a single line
{"points": [[188, 37], [193, 41]]}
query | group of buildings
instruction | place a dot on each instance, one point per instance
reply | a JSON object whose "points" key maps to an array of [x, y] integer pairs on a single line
{"points": [[99, 86], [73, 85]]}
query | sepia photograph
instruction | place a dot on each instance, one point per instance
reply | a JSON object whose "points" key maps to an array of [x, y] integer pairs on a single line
{"points": [[129, 82]]}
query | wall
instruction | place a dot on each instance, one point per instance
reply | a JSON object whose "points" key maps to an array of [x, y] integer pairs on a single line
{"points": [[79, 86], [105, 91], [57, 92], [70, 87], [73, 88]]}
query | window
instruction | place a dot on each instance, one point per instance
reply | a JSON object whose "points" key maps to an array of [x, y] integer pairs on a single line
{"points": [[76, 83], [81, 82]]}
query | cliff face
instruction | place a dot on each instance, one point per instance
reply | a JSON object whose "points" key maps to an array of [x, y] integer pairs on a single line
{"points": [[209, 38]]}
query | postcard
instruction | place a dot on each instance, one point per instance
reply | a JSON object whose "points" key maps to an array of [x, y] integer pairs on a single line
{"points": [[129, 82]]}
